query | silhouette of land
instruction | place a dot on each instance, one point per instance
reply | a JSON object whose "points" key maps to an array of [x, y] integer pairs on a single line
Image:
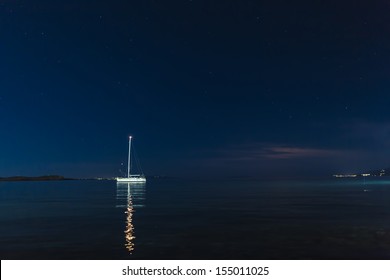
{"points": [[37, 178]]}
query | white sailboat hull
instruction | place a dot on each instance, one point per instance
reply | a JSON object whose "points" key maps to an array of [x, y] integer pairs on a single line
{"points": [[139, 179]]}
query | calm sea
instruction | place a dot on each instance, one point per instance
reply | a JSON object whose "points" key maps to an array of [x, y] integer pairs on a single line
{"points": [[195, 219]]}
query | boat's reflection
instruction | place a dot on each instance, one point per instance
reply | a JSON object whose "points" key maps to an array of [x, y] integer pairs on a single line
{"points": [[130, 196]]}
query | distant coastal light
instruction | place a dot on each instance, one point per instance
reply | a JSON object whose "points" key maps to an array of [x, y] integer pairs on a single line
{"points": [[375, 173], [345, 175]]}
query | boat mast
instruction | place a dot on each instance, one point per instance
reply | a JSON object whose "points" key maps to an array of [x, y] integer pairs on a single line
{"points": [[128, 160]]}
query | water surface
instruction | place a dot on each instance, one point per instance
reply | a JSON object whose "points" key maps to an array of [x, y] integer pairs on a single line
{"points": [[196, 219]]}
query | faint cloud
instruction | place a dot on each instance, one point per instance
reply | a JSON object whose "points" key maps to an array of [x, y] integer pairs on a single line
{"points": [[258, 151], [288, 152], [269, 160]]}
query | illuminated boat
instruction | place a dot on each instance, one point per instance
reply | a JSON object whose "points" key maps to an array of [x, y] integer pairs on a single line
{"points": [[140, 178]]}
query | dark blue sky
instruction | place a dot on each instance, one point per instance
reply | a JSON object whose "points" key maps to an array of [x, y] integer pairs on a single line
{"points": [[259, 88]]}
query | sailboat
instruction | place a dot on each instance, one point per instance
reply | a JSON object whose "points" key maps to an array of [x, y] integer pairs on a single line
{"points": [[131, 177]]}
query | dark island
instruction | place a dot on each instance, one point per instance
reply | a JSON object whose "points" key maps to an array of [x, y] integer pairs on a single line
{"points": [[38, 178]]}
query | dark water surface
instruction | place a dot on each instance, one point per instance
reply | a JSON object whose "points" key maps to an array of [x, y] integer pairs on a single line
{"points": [[184, 219]]}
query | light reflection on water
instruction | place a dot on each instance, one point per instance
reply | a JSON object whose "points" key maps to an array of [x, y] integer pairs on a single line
{"points": [[130, 196]]}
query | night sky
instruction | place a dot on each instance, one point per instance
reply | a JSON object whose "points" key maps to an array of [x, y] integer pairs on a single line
{"points": [[206, 88]]}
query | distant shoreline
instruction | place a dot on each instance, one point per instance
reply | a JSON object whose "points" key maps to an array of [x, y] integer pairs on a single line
{"points": [[35, 178]]}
